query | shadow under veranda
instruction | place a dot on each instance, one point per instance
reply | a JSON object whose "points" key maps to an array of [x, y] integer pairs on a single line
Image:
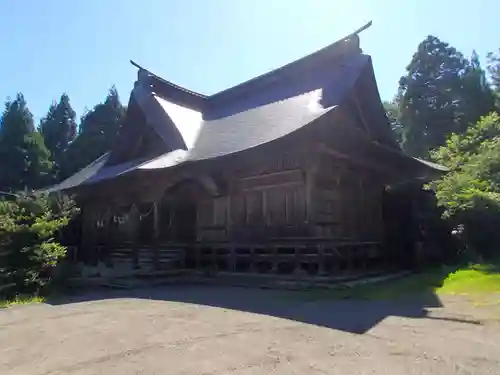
{"points": [[352, 315]]}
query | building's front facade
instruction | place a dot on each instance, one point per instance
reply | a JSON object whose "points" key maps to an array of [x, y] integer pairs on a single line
{"points": [[284, 173]]}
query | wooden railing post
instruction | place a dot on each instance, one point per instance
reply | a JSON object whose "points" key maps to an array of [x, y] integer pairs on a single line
{"points": [[232, 259], [252, 259], [214, 259], [321, 260], [156, 235], [197, 254], [184, 249], [274, 258], [297, 270], [364, 257]]}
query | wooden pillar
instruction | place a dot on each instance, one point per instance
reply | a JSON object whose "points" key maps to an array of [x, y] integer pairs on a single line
{"points": [[197, 254], [321, 260], [108, 243], [232, 259], [309, 181], [156, 236], [274, 258], [264, 208], [252, 259], [364, 259], [335, 260], [349, 252], [297, 271], [184, 250], [229, 218], [88, 235], [133, 219], [214, 259], [83, 245]]}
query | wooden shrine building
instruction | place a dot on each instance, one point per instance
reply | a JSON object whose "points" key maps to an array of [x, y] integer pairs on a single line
{"points": [[284, 173]]}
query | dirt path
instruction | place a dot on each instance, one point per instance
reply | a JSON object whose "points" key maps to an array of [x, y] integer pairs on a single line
{"points": [[220, 330]]}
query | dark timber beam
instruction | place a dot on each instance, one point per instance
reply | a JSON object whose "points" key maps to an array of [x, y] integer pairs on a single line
{"points": [[352, 159], [362, 28]]}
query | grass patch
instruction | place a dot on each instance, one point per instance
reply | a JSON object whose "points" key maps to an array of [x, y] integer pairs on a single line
{"points": [[21, 300], [474, 280]]}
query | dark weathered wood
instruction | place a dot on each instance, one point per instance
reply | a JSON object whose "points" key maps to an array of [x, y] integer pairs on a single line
{"points": [[320, 187], [271, 180], [321, 260], [232, 259], [319, 257]]}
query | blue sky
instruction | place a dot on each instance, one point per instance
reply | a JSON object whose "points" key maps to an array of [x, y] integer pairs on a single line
{"points": [[83, 47]]}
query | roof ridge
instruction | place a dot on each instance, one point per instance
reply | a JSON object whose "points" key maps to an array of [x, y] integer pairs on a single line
{"points": [[294, 63], [352, 37], [169, 83]]}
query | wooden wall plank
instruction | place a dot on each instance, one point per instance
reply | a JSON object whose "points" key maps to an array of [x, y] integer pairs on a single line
{"points": [[271, 180]]}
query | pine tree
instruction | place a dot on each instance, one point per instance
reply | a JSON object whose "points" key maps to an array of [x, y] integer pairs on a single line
{"points": [[478, 97], [493, 66], [394, 117], [98, 130], [58, 128], [24, 159]]}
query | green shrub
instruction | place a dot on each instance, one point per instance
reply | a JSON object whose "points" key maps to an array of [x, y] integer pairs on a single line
{"points": [[28, 245], [470, 192]]}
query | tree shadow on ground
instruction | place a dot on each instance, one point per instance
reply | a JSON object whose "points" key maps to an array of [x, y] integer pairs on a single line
{"points": [[349, 315]]}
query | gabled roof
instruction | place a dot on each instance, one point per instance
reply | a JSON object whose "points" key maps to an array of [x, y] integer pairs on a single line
{"points": [[196, 127], [325, 57], [252, 128], [82, 176], [216, 138], [342, 47], [292, 74], [177, 93]]}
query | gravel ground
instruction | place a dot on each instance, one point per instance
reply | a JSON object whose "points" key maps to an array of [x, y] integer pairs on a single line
{"points": [[221, 330]]}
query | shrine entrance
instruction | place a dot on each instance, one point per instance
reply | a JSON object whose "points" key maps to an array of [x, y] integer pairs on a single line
{"points": [[178, 214]]}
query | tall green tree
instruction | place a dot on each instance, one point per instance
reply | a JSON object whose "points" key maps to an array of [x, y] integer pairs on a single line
{"points": [[58, 128], [394, 117], [24, 159], [97, 132], [438, 96], [493, 67], [478, 97]]}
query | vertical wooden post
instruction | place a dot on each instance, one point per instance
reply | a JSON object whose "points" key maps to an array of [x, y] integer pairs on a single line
{"points": [[349, 251], [297, 271], [274, 258], [311, 164], [133, 225], [321, 260], [264, 208], [232, 259], [335, 265], [214, 259], [364, 257], [83, 236], [182, 259], [156, 220], [229, 218], [197, 252], [156, 236], [309, 177], [88, 236], [252, 259]]}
